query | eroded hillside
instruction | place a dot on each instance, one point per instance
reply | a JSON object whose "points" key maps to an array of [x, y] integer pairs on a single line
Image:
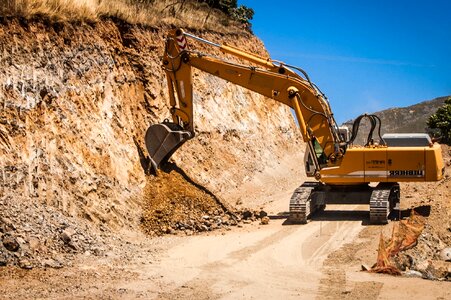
{"points": [[75, 96]]}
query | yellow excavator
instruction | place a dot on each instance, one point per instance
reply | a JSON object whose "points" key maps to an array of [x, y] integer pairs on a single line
{"points": [[342, 171]]}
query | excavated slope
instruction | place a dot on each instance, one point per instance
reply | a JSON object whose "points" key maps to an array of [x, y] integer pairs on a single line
{"points": [[73, 98]]}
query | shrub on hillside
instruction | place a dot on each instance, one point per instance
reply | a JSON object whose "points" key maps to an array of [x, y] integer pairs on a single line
{"points": [[242, 14], [441, 121]]}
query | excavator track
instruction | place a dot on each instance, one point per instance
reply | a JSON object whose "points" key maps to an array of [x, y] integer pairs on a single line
{"points": [[301, 203], [382, 201]]}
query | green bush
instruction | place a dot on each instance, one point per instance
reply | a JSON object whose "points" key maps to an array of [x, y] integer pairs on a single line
{"points": [[222, 5], [242, 14], [441, 121]]}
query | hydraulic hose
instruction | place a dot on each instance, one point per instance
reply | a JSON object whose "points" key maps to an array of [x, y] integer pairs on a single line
{"points": [[375, 121]]}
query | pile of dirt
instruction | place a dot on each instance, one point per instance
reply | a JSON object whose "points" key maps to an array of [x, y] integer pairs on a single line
{"points": [[174, 203], [171, 202]]}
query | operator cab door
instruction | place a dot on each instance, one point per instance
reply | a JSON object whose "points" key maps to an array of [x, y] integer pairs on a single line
{"points": [[308, 163], [309, 159]]}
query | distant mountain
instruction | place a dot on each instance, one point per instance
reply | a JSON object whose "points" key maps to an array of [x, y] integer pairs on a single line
{"points": [[410, 119]]}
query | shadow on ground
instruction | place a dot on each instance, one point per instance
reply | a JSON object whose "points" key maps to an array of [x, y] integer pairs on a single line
{"points": [[355, 215]]}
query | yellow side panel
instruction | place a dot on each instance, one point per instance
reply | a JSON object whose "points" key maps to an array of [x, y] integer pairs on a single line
{"points": [[392, 164], [406, 163], [351, 170], [375, 164]]}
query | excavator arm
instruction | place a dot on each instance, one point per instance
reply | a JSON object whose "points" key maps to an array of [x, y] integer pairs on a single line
{"points": [[274, 80]]}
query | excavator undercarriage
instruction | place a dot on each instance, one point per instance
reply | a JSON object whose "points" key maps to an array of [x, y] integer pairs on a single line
{"points": [[311, 197]]}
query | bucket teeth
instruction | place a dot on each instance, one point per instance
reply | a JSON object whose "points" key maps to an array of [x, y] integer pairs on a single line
{"points": [[162, 140]]}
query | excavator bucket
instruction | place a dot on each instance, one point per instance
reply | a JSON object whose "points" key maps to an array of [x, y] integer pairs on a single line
{"points": [[162, 140]]}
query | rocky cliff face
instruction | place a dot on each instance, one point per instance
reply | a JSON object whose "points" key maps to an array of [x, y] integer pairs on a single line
{"points": [[73, 97]]}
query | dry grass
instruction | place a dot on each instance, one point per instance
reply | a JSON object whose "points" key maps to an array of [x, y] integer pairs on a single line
{"points": [[186, 13]]}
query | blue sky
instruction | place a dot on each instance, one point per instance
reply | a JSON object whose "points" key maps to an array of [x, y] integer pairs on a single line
{"points": [[364, 55]]}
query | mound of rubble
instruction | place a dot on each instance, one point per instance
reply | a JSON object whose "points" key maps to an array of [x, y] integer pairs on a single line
{"points": [[428, 257], [174, 203], [431, 257], [36, 235]]}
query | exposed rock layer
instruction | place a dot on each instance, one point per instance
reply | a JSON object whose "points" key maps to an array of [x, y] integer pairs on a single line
{"points": [[73, 98]]}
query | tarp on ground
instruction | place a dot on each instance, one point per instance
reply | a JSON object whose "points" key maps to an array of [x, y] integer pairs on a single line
{"points": [[404, 236]]}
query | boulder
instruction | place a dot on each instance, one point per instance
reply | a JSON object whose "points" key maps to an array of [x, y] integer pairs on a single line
{"points": [[11, 243], [445, 254]]}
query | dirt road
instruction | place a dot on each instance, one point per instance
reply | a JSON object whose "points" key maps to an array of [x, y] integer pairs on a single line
{"points": [[272, 262], [320, 260], [249, 262]]}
